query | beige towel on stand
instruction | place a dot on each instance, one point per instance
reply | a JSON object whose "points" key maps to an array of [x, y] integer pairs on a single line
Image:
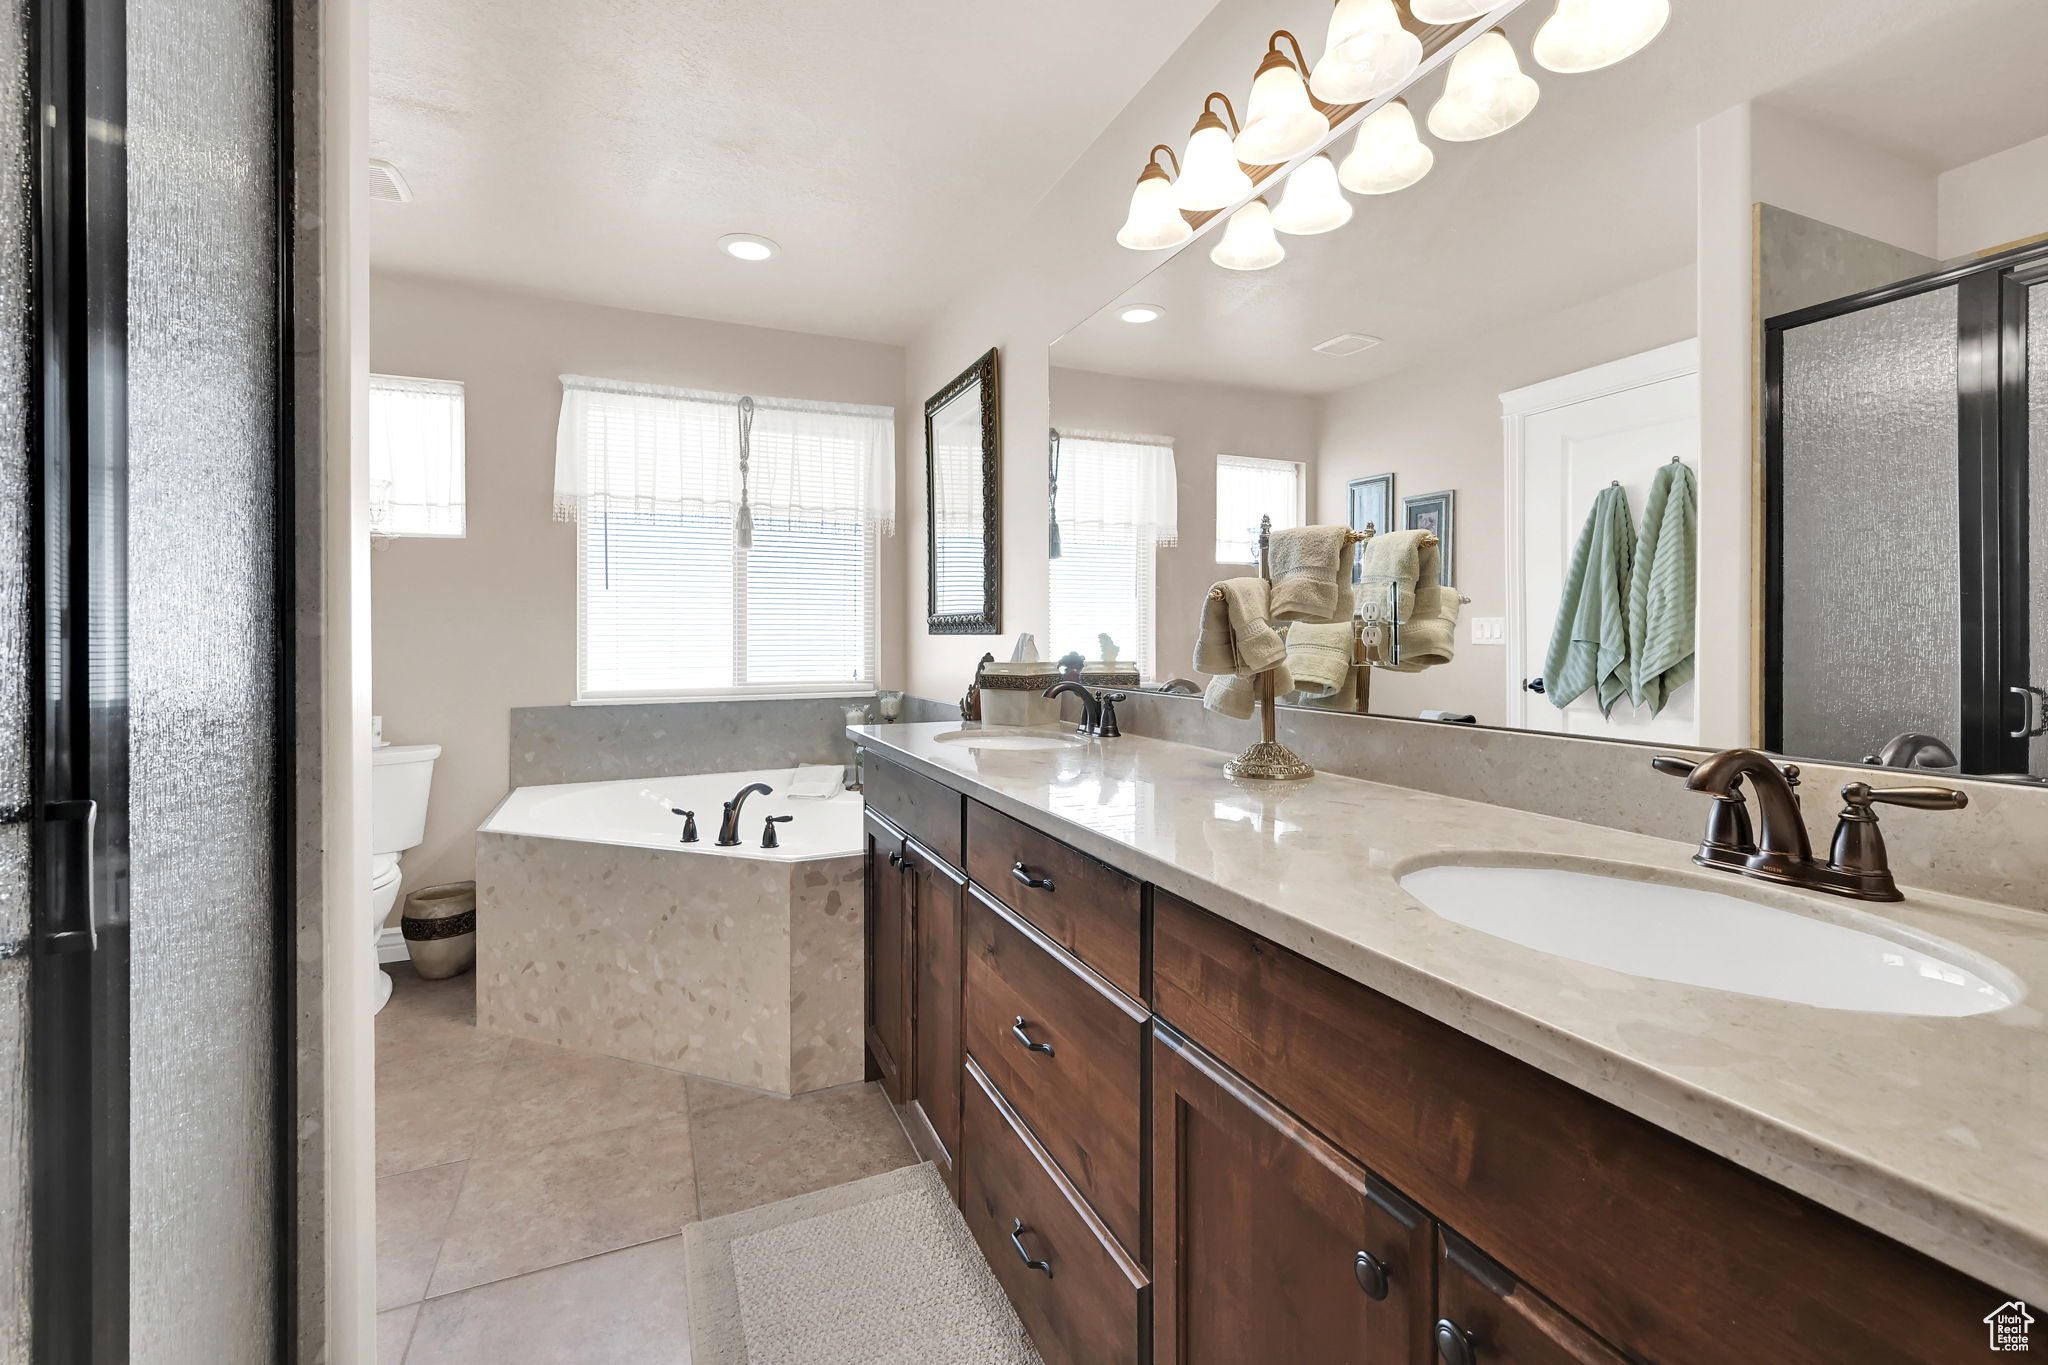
{"points": [[1430, 637], [1396, 558], [1237, 697], [1320, 656], [1311, 574], [1344, 698], [1236, 637]]}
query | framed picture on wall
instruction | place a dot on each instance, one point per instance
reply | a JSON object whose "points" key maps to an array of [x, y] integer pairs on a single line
{"points": [[1372, 504], [1432, 512]]}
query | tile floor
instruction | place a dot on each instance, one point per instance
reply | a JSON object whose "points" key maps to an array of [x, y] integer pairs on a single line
{"points": [[529, 1197]]}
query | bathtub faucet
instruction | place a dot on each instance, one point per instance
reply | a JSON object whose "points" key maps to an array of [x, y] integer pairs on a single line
{"points": [[729, 828]]}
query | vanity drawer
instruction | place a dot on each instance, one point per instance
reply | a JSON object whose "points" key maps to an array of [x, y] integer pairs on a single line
{"points": [[1089, 908], [1659, 1246], [927, 811], [1085, 1302], [1066, 1050]]}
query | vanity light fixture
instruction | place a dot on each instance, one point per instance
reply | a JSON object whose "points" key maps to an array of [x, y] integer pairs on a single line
{"points": [[1248, 241], [1141, 312], [1210, 177], [1388, 155], [1585, 35], [1154, 222], [1367, 53], [1486, 92], [1279, 122], [745, 246], [1312, 202], [1448, 11]]}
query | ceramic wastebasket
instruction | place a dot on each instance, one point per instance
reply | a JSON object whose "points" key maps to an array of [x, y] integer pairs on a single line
{"points": [[439, 925]]}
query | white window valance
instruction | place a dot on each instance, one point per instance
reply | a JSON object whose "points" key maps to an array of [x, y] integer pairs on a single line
{"points": [[643, 448], [416, 457], [1114, 484]]}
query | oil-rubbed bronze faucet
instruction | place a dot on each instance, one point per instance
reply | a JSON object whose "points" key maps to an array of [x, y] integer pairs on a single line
{"points": [[1098, 709], [729, 827], [1780, 851]]}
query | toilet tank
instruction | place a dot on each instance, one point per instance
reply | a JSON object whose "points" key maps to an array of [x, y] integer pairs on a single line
{"points": [[400, 775]]}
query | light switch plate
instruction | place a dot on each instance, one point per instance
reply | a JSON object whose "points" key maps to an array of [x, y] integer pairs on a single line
{"points": [[1489, 630]]}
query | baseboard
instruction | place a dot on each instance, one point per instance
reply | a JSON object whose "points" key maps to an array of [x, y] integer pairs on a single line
{"points": [[391, 945]]}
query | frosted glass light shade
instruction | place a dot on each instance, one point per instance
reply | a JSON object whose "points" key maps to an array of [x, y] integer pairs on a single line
{"points": [[1279, 123], [1448, 11], [1486, 93], [1210, 177], [1585, 35], [1248, 241], [1312, 202], [1154, 222], [1387, 156], [1366, 54]]}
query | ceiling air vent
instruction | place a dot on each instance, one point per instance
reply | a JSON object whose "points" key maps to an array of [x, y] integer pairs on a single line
{"points": [[1347, 343], [387, 184]]}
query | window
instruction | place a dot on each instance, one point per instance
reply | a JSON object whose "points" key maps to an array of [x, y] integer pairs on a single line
{"points": [[671, 601], [1116, 503], [1247, 489], [415, 457]]}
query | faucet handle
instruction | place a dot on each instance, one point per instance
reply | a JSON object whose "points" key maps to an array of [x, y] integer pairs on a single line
{"points": [[689, 823], [1105, 722], [1674, 767], [768, 839], [1860, 796]]}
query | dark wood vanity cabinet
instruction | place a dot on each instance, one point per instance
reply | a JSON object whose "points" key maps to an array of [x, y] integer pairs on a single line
{"points": [[1269, 1243], [1178, 1142], [888, 935]]}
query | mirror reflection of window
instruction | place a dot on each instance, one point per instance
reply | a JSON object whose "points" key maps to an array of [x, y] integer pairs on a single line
{"points": [[1117, 505], [1248, 489]]}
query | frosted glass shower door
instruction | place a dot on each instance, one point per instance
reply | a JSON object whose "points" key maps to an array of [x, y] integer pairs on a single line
{"points": [[1870, 620]]}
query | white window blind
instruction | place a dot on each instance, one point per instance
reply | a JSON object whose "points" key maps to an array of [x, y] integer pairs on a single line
{"points": [[670, 602], [1246, 490], [1117, 502], [416, 486]]}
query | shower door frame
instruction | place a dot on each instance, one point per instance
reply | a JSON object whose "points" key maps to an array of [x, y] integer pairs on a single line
{"points": [[1992, 488], [79, 937]]}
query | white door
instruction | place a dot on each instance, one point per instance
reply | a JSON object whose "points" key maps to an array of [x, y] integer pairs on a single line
{"points": [[1567, 439]]}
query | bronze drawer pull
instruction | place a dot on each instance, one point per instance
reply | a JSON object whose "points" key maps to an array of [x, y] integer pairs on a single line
{"points": [[1456, 1345], [1017, 1241], [1017, 1031], [1372, 1275], [1023, 874], [896, 860]]}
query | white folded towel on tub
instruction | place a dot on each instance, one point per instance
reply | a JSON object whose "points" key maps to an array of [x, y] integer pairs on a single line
{"points": [[814, 780]]}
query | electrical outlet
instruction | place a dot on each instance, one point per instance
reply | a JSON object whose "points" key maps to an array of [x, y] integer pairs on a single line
{"points": [[1489, 630]]}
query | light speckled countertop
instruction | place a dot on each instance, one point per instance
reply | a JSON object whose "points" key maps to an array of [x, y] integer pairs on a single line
{"points": [[1933, 1131]]}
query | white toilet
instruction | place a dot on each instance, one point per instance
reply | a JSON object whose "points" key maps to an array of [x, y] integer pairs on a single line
{"points": [[400, 775]]}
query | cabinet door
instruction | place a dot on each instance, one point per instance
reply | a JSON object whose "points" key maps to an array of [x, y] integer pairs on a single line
{"points": [[888, 946], [936, 1049], [1486, 1317], [1268, 1243]]}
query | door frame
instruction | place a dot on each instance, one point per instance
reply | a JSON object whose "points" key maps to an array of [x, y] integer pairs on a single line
{"points": [[1992, 490], [1665, 363]]}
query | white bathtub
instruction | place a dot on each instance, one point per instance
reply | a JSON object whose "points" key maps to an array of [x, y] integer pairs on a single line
{"points": [[638, 813]]}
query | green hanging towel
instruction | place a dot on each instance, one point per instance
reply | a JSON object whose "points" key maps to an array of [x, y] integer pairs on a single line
{"points": [[1589, 646], [1661, 602]]}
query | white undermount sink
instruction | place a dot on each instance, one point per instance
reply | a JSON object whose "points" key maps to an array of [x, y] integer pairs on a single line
{"points": [[1697, 937], [1006, 739]]}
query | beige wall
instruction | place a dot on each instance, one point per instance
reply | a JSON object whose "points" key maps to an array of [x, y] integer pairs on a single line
{"points": [[1204, 420], [1994, 202], [1438, 425], [464, 630]]}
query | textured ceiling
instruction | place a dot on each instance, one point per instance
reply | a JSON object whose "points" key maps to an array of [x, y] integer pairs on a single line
{"points": [[597, 150], [1593, 192]]}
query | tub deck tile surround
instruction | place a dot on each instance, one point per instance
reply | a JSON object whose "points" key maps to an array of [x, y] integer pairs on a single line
{"points": [[1933, 1131], [553, 744], [737, 969]]}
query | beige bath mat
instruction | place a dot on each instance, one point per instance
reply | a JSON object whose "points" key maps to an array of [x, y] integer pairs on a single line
{"points": [[881, 1271]]}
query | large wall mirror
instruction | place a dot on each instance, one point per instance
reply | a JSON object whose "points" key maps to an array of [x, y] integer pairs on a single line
{"points": [[963, 489], [1770, 281]]}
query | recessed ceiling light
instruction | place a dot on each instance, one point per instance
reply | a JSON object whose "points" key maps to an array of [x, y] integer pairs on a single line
{"points": [[1346, 343], [746, 246], [1142, 312]]}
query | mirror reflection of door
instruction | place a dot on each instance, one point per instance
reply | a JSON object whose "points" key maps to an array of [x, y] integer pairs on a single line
{"points": [[1567, 439]]}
